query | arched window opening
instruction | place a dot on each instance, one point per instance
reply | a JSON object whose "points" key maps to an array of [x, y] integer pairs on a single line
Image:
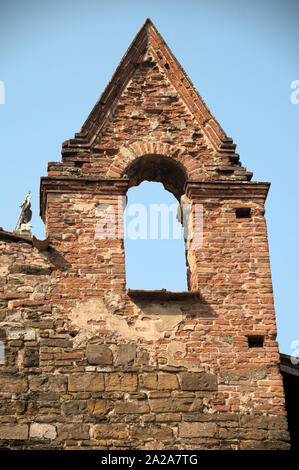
{"points": [[154, 240], [160, 169]]}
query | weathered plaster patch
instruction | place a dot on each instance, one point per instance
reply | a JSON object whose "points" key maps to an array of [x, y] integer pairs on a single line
{"points": [[153, 323], [14, 316], [27, 334], [83, 207], [81, 315], [164, 318], [173, 349], [4, 271], [114, 301], [5, 261]]}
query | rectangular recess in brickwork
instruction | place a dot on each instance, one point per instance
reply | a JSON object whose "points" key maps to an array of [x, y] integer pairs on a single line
{"points": [[255, 341], [243, 213]]}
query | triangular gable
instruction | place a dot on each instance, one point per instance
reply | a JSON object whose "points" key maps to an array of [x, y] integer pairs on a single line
{"points": [[149, 43]]}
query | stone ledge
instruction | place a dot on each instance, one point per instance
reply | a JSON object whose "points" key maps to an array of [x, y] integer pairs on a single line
{"points": [[163, 294]]}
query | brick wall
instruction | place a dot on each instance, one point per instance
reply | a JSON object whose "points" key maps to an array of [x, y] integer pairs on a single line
{"points": [[89, 364]]}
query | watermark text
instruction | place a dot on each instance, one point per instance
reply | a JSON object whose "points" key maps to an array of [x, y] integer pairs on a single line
{"points": [[295, 355], [153, 222], [294, 97], [2, 92]]}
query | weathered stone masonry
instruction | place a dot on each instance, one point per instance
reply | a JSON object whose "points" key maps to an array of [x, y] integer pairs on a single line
{"points": [[89, 364]]}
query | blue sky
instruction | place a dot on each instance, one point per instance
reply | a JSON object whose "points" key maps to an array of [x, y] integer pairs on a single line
{"points": [[242, 56]]}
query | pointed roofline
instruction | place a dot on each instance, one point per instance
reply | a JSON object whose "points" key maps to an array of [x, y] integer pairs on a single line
{"points": [[178, 77], [181, 69], [107, 90]]}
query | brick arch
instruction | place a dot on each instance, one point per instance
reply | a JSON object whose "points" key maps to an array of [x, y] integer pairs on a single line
{"points": [[158, 168], [127, 155]]}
